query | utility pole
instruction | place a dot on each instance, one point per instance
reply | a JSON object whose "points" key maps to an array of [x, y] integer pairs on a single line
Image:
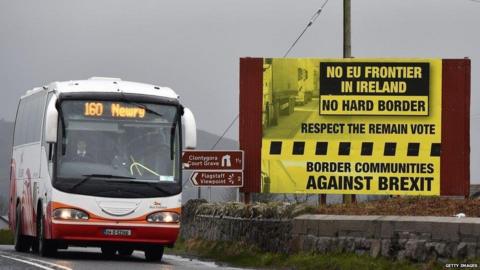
{"points": [[347, 35], [347, 53]]}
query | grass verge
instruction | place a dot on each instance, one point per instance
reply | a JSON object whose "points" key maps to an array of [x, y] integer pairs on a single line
{"points": [[242, 255], [6, 237]]}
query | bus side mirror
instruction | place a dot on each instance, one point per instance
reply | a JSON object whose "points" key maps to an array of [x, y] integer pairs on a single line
{"points": [[51, 121], [190, 129]]}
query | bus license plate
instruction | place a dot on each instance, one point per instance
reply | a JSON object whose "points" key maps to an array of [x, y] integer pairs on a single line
{"points": [[116, 232]]}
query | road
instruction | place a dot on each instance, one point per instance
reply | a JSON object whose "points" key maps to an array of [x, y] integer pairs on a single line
{"points": [[288, 125], [91, 258]]}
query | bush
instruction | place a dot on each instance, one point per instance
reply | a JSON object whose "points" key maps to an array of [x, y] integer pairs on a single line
{"points": [[6, 237], [270, 210]]}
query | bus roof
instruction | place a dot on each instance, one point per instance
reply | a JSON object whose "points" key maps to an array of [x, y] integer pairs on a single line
{"points": [[104, 84]]}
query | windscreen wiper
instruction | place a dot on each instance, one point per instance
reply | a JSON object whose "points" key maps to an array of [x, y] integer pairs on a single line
{"points": [[90, 176]]}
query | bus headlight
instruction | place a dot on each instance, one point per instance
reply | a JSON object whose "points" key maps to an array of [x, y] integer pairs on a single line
{"points": [[163, 217], [68, 213]]}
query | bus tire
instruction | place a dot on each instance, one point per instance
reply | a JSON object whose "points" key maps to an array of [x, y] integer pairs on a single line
{"points": [[21, 242], [46, 248], [154, 253]]}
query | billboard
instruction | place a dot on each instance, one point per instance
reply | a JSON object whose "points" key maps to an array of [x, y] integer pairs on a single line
{"points": [[351, 126]]}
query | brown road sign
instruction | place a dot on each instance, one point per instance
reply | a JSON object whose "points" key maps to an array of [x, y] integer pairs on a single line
{"points": [[217, 179], [207, 160]]}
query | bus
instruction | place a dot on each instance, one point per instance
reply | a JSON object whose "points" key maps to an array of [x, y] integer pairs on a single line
{"points": [[97, 163]]}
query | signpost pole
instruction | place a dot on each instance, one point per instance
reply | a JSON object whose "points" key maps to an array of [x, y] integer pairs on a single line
{"points": [[347, 53]]}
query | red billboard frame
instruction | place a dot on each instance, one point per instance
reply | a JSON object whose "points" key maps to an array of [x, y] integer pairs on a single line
{"points": [[455, 148]]}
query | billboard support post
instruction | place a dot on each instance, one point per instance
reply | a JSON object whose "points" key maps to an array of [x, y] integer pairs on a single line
{"points": [[322, 199]]}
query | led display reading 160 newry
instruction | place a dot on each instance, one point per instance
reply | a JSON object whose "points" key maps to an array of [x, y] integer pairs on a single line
{"points": [[117, 110]]}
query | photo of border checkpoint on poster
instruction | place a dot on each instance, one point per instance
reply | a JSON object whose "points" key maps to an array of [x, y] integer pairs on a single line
{"points": [[351, 126]]}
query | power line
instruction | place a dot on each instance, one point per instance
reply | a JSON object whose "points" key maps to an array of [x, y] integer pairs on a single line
{"points": [[225, 132], [310, 22]]}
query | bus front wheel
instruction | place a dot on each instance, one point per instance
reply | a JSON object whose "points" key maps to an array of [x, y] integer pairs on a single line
{"points": [[22, 243], [46, 248]]}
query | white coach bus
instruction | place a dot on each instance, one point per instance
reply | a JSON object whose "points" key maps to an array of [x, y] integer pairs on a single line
{"points": [[98, 163]]}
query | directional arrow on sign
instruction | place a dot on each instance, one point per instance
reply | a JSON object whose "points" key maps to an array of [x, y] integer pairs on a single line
{"points": [[217, 178]]}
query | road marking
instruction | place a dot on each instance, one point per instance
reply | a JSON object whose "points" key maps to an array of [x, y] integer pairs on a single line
{"points": [[30, 261], [49, 263]]}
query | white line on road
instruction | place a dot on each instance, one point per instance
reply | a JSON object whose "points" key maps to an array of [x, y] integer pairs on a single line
{"points": [[30, 261], [49, 263]]}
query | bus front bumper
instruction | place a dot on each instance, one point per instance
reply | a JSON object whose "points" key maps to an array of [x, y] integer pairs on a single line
{"points": [[157, 234]]}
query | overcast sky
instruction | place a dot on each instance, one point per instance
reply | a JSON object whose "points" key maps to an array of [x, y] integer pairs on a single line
{"points": [[194, 46]]}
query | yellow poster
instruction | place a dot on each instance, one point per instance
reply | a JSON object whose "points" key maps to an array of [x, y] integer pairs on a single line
{"points": [[351, 126]]}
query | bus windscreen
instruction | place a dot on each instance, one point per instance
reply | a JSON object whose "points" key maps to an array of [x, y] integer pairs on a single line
{"points": [[129, 146]]}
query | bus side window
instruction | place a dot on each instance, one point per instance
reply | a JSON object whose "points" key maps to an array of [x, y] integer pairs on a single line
{"points": [[34, 119], [19, 138], [30, 120], [19, 135], [25, 121]]}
